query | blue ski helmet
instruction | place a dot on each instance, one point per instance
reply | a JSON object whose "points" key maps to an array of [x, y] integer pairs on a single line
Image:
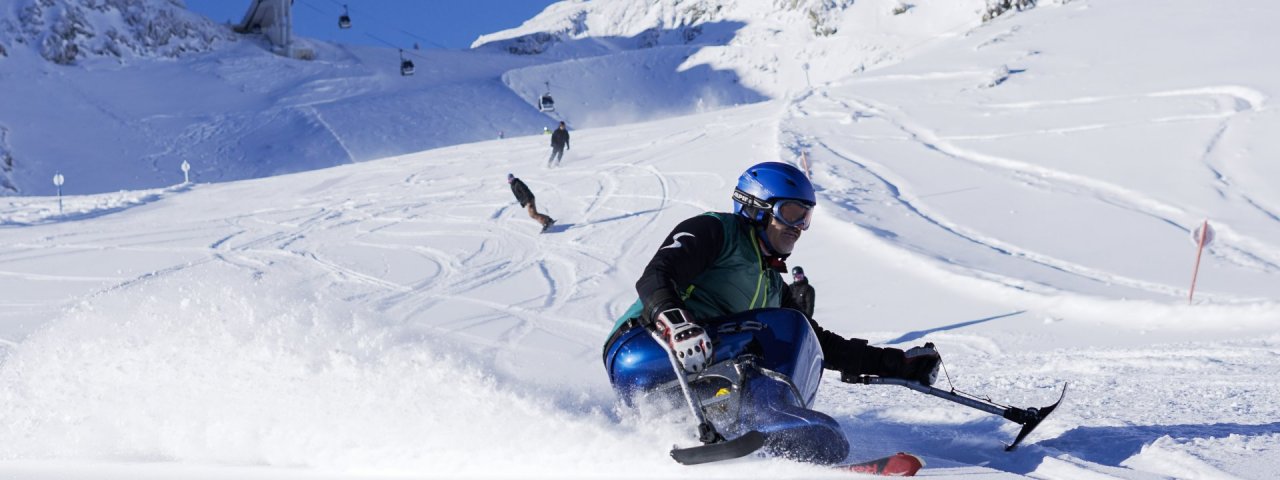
{"points": [[764, 183]]}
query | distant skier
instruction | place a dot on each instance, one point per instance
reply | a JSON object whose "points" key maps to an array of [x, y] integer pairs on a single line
{"points": [[801, 292], [559, 143], [719, 264], [526, 199]]}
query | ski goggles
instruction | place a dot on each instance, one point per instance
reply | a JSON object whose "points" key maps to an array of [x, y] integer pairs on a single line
{"points": [[793, 213]]}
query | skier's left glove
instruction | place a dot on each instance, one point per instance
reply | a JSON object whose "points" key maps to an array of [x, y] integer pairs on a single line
{"points": [[688, 340], [921, 364]]}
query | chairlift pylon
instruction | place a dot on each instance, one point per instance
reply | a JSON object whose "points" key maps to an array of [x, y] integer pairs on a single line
{"points": [[406, 65], [344, 21]]}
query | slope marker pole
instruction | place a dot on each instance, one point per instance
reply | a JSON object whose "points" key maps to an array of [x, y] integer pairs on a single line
{"points": [[1202, 237]]}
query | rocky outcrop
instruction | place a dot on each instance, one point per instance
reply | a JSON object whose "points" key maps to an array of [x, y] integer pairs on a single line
{"points": [[64, 31]]}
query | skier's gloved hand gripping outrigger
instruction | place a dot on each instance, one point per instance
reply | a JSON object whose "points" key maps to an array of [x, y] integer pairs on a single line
{"points": [[686, 339], [713, 324]]}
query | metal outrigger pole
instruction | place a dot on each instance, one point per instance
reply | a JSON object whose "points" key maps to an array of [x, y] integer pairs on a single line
{"points": [[1029, 418]]}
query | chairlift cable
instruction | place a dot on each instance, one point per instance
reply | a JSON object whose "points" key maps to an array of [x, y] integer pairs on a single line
{"points": [[375, 37], [313, 7], [366, 17], [423, 39], [379, 21]]}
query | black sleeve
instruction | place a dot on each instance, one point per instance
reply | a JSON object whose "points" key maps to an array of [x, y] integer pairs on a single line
{"points": [[800, 297], [853, 356], [523, 195], [690, 249], [789, 299], [806, 304]]}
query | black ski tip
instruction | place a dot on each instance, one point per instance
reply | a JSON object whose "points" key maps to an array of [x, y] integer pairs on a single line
{"points": [[1036, 416], [739, 447]]}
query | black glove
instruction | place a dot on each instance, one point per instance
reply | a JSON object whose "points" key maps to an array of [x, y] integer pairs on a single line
{"points": [[920, 364]]}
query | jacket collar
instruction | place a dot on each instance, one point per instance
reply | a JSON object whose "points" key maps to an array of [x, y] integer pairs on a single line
{"points": [[768, 259]]}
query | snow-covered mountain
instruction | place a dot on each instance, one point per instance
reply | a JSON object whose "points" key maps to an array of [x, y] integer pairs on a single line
{"points": [[774, 46], [64, 56], [66, 31], [131, 89], [1021, 192]]}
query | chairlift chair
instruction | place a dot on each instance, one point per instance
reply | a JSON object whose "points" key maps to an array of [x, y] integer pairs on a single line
{"points": [[547, 104], [406, 65], [344, 21]]}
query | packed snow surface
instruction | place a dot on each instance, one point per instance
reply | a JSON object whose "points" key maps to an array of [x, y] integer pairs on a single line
{"points": [[1021, 192]]}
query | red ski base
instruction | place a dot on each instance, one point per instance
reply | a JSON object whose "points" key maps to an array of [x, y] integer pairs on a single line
{"points": [[897, 465]]}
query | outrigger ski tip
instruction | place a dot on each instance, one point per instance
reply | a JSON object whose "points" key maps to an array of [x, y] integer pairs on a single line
{"points": [[724, 450], [1029, 418]]}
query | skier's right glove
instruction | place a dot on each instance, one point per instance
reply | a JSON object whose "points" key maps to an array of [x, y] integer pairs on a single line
{"points": [[687, 339]]}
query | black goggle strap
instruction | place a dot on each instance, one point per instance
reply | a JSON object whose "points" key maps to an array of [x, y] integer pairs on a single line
{"points": [[750, 200], [754, 206]]}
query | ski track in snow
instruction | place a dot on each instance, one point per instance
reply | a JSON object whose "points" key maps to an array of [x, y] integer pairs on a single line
{"points": [[423, 252], [821, 125], [505, 250], [331, 231], [1266, 260]]}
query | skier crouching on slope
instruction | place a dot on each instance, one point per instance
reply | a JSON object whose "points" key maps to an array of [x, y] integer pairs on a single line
{"points": [[718, 264], [527, 200]]}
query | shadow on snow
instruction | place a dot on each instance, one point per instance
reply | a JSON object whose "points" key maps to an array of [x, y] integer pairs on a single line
{"points": [[918, 334]]}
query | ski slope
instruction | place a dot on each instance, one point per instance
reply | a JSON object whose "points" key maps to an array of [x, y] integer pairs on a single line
{"points": [[1015, 194]]}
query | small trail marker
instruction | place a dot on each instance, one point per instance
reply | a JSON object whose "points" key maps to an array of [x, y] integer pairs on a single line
{"points": [[57, 182]]}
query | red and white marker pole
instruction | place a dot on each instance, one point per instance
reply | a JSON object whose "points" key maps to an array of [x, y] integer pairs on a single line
{"points": [[1202, 236]]}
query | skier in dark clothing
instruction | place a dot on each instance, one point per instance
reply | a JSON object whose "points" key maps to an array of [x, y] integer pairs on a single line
{"points": [[718, 264], [559, 143], [525, 197], [801, 292]]}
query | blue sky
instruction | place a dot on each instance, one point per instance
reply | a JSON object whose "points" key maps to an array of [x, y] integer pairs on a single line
{"points": [[452, 24]]}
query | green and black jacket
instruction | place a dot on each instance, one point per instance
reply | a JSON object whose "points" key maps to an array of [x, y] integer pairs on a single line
{"points": [[714, 265]]}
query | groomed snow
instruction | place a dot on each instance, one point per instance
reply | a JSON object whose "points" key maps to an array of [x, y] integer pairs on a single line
{"points": [[1020, 193]]}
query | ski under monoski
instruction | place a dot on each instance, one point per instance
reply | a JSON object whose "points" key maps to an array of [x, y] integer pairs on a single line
{"points": [[900, 464]]}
